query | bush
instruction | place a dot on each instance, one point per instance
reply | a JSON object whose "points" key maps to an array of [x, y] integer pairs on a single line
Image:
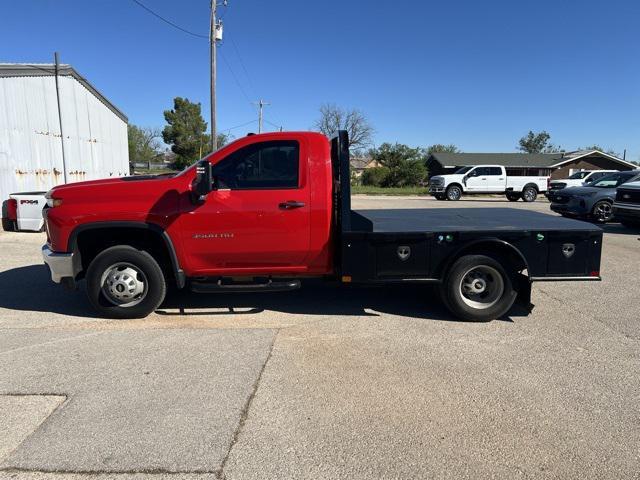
{"points": [[375, 176], [408, 173]]}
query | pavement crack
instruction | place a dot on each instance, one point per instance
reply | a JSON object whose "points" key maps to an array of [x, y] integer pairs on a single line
{"points": [[244, 414]]}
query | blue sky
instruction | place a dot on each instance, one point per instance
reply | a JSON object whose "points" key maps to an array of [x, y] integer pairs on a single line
{"points": [[476, 74]]}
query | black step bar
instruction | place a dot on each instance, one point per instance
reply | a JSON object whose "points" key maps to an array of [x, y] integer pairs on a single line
{"points": [[269, 286]]}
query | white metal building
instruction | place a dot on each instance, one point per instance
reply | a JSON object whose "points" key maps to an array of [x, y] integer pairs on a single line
{"points": [[34, 154]]}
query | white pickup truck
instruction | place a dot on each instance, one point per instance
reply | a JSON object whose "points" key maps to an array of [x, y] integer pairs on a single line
{"points": [[486, 179]]}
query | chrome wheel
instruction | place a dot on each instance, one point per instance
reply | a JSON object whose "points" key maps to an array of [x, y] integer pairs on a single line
{"points": [[603, 212], [529, 195], [124, 284], [454, 193], [481, 287]]}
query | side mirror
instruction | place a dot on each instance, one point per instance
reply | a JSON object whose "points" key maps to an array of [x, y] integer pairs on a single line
{"points": [[202, 184]]}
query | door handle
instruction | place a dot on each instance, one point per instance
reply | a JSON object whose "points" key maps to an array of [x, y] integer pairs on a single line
{"points": [[290, 205], [483, 178]]}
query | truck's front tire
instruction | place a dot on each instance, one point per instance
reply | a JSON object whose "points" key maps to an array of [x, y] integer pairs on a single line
{"points": [[477, 288], [124, 282], [454, 192]]}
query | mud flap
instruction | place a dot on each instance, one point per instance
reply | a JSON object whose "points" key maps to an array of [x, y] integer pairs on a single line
{"points": [[523, 287]]}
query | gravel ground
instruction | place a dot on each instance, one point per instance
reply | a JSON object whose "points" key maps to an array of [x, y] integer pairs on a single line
{"points": [[324, 382]]}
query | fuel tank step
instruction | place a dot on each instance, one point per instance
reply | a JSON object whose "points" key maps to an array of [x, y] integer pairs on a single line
{"points": [[221, 287]]}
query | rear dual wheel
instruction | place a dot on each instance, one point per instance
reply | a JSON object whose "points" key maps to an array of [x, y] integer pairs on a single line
{"points": [[529, 194], [478, 288]]}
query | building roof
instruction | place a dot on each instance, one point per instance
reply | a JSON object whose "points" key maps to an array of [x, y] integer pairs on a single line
{"points": [[527, 160], [49, 69], [540, 160]]}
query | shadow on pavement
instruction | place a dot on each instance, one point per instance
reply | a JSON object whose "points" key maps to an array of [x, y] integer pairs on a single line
{"points": [[29, 288], [620, 229]]}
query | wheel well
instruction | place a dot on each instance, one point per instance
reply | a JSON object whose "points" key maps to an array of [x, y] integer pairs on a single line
{"points": [[454, 185], [531, 185], [499, 250], [95, 240]]}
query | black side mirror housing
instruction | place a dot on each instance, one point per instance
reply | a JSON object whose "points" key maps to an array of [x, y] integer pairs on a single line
{"points": [[203, 182]]}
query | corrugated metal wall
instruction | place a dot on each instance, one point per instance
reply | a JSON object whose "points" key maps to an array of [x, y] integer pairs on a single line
{"points": [[30, 150]]}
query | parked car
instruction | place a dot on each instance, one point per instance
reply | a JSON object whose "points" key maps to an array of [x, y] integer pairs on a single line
{"points": [[23, 212], [626, 207], [577, 179], [267, 210], [486, 179], [593, 202]]}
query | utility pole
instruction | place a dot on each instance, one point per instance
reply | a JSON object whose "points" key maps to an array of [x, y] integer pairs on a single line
{"points": [[212, 46], [57, 75], [261, 104]]}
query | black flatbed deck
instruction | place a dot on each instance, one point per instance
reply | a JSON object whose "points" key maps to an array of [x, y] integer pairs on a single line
{"points": [[430, 220]]}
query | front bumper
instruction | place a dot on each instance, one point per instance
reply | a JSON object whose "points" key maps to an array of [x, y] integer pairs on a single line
{"points": [[433, 189], [576, 206], [626, 210], [61, 265]]}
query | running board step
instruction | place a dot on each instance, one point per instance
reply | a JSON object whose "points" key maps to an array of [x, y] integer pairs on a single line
{"points": [[270, 286]]}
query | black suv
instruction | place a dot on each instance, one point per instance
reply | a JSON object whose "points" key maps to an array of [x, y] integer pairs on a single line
{"points": [[626, 207]]}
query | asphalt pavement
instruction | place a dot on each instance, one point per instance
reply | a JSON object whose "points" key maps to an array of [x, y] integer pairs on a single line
{"points": [[324, 382]]}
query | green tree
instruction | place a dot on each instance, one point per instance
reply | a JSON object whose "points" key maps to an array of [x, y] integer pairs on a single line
{"points": [[439, 148], [185, 132], [375, 176], [144, 143], [537, 143], [406, 165]]}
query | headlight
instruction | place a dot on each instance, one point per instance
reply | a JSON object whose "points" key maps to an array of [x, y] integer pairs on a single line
{"points": [[52, 202]]}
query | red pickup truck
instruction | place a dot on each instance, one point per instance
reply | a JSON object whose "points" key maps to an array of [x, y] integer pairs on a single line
{"points": [[267, 210]]}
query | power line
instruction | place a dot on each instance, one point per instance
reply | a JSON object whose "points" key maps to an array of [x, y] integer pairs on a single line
{"points": [[168, 22], [244, 68], [239, 126], [273, 124], [233, 74]]}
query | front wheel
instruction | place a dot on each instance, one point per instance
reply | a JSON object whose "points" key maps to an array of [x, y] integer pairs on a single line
{"points": [[602, 212], [529, 194], [513, 197], [477, 288], [440, 197], [124, 282], [454, 192]]}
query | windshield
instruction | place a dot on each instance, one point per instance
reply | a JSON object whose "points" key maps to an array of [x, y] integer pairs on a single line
{"points": [[578, 175], [463, 170], [614, 180]]}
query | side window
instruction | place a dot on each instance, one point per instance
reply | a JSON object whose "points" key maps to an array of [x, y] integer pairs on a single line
{"points": [[483, 171], [495, 171], [267, 165]]}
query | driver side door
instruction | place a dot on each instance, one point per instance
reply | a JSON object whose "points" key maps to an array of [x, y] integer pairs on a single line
{"points": [[257, 218], [476, 180]]}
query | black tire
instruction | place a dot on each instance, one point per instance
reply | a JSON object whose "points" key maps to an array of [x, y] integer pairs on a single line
{"points": [[454, 192], [148, 273], [480, 306], [529, 194], [602, 211], [8, 225], [440, 197], [513, 197]]}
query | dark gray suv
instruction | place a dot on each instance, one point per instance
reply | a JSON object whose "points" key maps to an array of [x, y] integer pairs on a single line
{"points": [[593, 202]]}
